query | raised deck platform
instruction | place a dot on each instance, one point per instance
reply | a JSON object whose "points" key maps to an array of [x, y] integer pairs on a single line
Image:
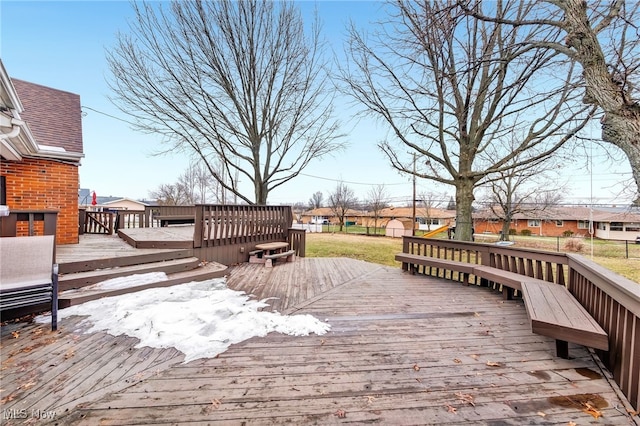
{"points": [[169, 237], [403, 349]]}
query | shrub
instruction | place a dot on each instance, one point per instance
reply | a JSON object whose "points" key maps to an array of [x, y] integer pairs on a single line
{"points": [[573, 244], [512, 231], [567, 234], [526, 232]]}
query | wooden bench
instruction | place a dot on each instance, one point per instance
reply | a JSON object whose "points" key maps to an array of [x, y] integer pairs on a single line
{"points": [[510, 280], [28, 276], [290, 256], [551, 308], [409, 262], [175, 220], [554, 312], [255, 256]]}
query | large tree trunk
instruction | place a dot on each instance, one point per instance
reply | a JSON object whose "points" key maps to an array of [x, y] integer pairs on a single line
{"points": [[621, 122], [506, 226], [464, 200]]}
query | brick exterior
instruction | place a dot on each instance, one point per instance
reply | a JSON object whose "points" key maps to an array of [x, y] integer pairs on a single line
{"points": [[44, 184], [549, 227]]}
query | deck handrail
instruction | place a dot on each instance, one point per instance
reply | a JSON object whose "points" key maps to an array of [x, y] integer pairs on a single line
{"points": [[29, 223], [221, 224], [612, 300]]}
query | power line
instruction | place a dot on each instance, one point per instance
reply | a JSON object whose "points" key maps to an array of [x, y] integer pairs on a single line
{"points": [[108, 115], [352, 183]]}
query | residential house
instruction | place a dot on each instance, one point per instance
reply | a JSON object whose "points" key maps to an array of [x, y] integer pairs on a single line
{"points": [[427, 219], [40, 149], [611, 224], [325, 216]]}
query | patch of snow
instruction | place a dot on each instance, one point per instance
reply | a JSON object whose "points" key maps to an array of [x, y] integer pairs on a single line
{"points": [[128, 281], [200, 319]]}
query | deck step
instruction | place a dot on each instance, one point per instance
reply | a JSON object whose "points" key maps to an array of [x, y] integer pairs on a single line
{"points": [[82, 279], [120, 261], [204, 272]]}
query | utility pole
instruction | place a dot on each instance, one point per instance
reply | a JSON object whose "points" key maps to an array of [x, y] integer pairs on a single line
{"points": [[413, 224]]}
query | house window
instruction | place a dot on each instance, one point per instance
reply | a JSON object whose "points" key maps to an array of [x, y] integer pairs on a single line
{"points": [[632, 227], [559, 223], [583, 224], [602, 226], [616, 226], [533, 223]]}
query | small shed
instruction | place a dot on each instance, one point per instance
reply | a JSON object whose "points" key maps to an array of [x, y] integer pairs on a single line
{"points": [[399, 227]]}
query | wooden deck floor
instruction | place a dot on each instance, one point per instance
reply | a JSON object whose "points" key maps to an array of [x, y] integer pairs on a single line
{"points": [[94, 247], [402, 350]]}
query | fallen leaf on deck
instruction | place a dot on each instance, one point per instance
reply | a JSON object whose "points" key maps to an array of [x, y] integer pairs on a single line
{"points": [[341, 414], [70, 353], [466, 398], [474, 356], [27, 385], [416, 367], [370, 399], [571, 423], [215, 404], [451, 409], [493, 364], [15, 334], [541, 414], [590, 409], [475, 314], [457, 361]]}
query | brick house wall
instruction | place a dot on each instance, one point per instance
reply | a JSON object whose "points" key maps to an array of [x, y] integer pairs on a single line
{"points": [[548, 228], [45, 174], [40, 184]]}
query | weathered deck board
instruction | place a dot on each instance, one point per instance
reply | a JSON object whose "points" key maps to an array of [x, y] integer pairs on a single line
{"points": [[403, 349]]}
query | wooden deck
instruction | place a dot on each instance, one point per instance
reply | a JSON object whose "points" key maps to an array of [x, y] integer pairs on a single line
{"points": [[96, 247], [403, 349]]}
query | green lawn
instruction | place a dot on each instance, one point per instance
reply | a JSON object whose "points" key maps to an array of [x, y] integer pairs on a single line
{"points": [[382, 250]]}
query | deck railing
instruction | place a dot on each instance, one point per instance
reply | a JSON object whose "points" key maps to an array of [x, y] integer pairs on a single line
{"points": [[99, 223], [219, 224], [29, 223], [127, 219], [612, 300], [298, 239]]}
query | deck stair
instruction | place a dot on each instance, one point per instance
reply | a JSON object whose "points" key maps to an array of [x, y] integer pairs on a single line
{"points": [[179, 265]]}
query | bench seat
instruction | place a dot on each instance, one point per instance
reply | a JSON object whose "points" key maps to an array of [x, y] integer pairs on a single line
{"points": [[409, 260], [554, 312], [269, 258], [510, 279], [551, 308]]}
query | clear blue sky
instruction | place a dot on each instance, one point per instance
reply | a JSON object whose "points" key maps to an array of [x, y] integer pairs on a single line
{"points": [[62, 45]]}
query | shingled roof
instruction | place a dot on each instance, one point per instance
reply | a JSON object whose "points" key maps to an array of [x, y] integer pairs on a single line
{"points": [[53, 116]]}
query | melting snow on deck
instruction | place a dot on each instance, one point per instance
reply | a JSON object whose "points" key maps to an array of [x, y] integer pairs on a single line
{"points": [[200, 319]]}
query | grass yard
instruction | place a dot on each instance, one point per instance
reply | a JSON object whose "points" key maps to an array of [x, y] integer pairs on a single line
{"points": [[382, 250]]}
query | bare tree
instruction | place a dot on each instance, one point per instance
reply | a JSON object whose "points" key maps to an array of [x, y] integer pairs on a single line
{"points": [[237, 81], [451, 88], [529, 188], [169, 195], [429, 201], [604, 38], [376, 201], [315, 202], [341, 200]]}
